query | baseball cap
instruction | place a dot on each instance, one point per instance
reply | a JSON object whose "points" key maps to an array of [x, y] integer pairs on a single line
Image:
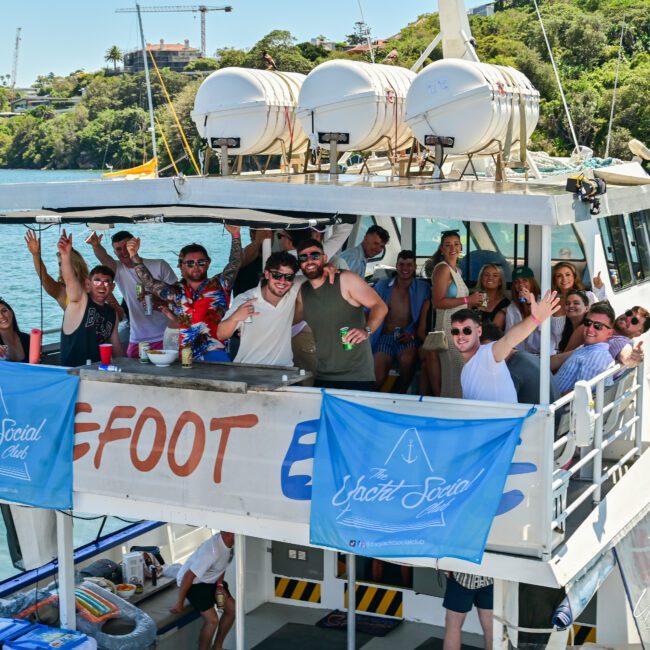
{"points": [[522, 272]]}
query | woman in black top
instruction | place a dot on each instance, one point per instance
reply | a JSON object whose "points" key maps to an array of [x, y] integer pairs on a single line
{"points": [[14, 344], [491, 282]]}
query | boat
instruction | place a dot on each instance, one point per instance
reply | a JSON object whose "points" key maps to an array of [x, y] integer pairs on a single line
{"points": [[232, 447]]}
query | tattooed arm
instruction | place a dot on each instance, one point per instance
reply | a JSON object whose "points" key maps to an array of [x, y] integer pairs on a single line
{"points": [[229, 273], [158, 288]]}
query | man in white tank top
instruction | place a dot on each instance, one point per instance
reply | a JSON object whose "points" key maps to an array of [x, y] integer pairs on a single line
{"points": [[485, 374]]}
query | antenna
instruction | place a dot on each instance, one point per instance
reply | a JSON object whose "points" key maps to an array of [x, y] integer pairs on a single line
{"points": [[14, 70]]}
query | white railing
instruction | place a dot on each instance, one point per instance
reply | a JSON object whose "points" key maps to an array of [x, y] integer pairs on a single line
{"points": [[593, 426]]}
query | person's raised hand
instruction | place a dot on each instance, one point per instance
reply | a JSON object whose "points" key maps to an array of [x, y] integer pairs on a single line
{"points": [[94, 240], [474, 299], [246, 310], [636, 356], [33, 243], [546, 307], [133, 246], [233, 230], [65, 243], [330, 271], [597, 281]]}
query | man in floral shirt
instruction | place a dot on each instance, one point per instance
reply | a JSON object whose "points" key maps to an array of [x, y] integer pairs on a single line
{"points": [[197, 301]]}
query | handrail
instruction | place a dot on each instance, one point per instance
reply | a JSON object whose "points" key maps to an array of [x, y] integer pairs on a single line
{"points": [[593, 455]]}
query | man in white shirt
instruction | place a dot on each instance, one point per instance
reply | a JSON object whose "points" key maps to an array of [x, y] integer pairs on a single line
{"points": [[271, 307], [143, 328], [198, 580], [485, 375]]}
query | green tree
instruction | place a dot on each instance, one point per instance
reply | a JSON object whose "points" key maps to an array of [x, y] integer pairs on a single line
{"points": [[113, 55], [202, 65], [360, 35]]}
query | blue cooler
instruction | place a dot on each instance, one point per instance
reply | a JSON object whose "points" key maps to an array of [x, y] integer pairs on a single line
{"points": [[42, 637], [10, 628]]}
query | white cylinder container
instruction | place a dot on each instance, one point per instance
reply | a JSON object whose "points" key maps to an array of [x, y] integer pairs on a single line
{"points": [[477, 104], [363, 100], [255, 106]]}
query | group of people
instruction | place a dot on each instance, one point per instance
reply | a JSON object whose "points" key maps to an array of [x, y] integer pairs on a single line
{"points": [[309, 305]]}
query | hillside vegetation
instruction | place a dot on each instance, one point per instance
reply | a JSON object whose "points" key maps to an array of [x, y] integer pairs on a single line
{"points": [[110, 124]]}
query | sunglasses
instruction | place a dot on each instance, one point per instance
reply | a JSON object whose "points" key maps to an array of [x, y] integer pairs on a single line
{"points": [[466, 331], [192, 263], [587, 322], [97, 282], [633, 319], [303, 257], [276, 275]]}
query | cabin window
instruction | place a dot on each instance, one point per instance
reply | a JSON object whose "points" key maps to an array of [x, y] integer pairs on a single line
{"points": [[565, 244], [376, 571], [637, 229], [614, 239], [509, 240]]}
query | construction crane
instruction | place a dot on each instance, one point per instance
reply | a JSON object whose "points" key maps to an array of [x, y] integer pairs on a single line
{"points": [[202, 9], [14, 70]]}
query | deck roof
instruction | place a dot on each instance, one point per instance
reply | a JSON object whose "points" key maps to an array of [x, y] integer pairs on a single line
{"points": [[307, 196]]}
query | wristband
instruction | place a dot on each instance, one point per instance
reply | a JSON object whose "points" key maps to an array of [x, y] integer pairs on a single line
{"points": [[466, 300], [536, 320]]}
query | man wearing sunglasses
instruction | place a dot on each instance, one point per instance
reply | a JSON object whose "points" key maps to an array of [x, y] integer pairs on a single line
{"points": [[198, 301], [485, 375], [330, 307], [263, 315], [88, 321], [594, 357]]}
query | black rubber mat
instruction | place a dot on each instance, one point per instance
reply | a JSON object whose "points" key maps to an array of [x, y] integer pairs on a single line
{"points": [[366, 623], [309, 637], [436, 644]]}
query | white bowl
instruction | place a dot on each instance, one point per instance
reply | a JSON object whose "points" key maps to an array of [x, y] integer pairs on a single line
{"points": [[122, 592], [162, 358]]}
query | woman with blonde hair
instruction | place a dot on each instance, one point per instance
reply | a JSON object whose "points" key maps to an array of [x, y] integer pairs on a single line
{"points": [[56, 288], [449, 293], [491, 283]]}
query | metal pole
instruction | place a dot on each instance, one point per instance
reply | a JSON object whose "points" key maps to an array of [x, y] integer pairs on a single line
{"points": [[240, 588], [638, 425], [149, 97], [65, 551], [598, 441], [224, 160], [545, 347], [352, 601], [334, 156]]}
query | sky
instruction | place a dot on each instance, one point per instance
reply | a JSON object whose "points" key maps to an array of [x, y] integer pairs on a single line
{"points": [[61, 36]]}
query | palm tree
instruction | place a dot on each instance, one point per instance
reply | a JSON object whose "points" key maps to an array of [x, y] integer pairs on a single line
{"points": [[113, 54]]}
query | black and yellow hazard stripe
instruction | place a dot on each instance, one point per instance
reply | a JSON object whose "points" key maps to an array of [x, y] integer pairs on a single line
{"points": [[308, 592], [583, 634], [376, 600]]}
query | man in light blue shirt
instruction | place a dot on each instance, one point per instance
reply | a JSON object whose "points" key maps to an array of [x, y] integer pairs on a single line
{"points": [[592, 359], [355, 259]]}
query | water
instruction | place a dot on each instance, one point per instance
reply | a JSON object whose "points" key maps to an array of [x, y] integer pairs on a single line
{"points": [[19, 283], [34, 308]]}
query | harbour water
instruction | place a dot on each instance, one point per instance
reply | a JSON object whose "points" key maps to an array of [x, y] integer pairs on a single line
{"points": [[20, 286], [18, 279]]}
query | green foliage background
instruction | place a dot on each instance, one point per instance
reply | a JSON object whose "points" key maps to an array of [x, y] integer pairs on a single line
{"points": [[110, 126]]}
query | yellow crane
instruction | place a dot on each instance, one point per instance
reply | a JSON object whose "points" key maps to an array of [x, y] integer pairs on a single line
{"points": [[202, 9]]}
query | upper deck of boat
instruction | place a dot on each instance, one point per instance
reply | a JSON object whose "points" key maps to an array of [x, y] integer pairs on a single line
{"points": [[283, 197]]}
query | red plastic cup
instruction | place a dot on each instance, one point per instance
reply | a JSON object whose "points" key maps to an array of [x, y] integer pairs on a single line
{"points": [[105, 353]]}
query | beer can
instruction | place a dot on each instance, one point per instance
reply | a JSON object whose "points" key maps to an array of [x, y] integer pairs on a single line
{"points": [[139, 290], [148, 304], [484, 299], [143, 348], [346, 346], [221, 598], [186, 357]]}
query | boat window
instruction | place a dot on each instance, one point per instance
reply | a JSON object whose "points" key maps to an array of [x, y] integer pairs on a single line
{"points": [[87, 527], [565, 244], [509, 240], [614, 244], [377, 571], [637, 227]]}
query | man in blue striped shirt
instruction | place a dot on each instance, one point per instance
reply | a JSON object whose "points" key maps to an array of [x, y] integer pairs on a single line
{"points": [[592, 359]]}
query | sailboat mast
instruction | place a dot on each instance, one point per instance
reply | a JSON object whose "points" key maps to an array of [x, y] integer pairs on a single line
{"points": [[146, 75]]}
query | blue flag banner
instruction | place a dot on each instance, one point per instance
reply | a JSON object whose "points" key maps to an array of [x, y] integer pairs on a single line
{"points": [[393, 485], [37, 405]]}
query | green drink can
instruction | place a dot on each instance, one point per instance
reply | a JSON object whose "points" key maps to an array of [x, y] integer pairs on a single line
{"points": [[346, 346]]}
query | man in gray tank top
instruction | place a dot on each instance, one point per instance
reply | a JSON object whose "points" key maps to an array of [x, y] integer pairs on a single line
{"points": [[329, 308]]}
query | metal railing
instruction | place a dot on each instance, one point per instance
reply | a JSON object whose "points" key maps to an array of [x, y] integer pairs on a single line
{"points": [[613, 413]]}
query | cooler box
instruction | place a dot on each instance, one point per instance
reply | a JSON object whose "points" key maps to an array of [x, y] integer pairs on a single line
{"points": [[11, 628], [42, 637]]}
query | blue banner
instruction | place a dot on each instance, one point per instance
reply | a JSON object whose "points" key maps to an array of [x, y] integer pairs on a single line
{"points": [[37, 406], [393, 485]]}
